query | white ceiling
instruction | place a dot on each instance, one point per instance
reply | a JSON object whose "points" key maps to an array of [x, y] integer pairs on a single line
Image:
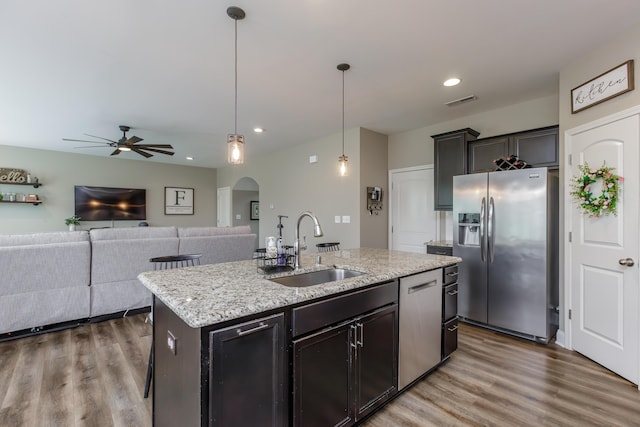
{"points": [[165, 67]]}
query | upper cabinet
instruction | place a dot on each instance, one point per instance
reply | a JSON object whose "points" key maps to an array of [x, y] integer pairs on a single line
{"points": [[450, 159], [538, 148]]}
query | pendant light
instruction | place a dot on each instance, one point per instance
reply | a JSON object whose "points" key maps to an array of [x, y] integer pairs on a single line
{"points": [[343, 160], [235, 142]]}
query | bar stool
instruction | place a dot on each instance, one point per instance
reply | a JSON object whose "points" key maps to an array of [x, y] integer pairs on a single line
{"points": [[328, 247], [166, 263]]}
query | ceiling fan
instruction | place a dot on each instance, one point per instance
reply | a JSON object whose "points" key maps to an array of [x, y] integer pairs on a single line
{"points": [[127, 144]]}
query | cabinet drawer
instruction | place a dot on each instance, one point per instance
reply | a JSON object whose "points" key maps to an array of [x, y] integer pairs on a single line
{"points": [[439, 250], [328, 312], [449, 302], [449, 337], [450, 275]]}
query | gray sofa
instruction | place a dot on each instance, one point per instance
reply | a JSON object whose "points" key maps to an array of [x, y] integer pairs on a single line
{"points": [[50, 278], [44, 279]]}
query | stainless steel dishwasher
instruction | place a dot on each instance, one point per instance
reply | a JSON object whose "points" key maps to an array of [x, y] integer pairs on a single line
{"points": [[420, 325]]}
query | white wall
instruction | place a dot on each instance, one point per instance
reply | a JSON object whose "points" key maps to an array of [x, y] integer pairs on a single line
{"points": [[59, 172]]}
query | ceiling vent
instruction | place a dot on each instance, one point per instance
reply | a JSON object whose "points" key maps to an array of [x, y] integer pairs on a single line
{"points": [[461, 100]]}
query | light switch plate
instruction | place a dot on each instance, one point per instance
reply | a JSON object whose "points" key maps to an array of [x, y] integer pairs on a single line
{"points": [[346, 219], [313, 159], [238, 216], [337, 219]]}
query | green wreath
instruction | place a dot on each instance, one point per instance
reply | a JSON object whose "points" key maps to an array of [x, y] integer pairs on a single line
{"points": [[607, 201]]}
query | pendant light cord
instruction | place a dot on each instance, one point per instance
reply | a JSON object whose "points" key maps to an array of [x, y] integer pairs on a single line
{"points": [[343, 112], [235, 131]]}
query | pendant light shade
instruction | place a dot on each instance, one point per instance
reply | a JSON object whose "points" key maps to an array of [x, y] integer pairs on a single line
{"points": [[235, 149], [235, 142], [343, 161]]}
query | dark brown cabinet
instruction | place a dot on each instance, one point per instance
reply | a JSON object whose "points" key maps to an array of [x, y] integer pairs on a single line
{"points": [[343, 372], [449, 311], [538, 147], [450, 159], [247, 374]]}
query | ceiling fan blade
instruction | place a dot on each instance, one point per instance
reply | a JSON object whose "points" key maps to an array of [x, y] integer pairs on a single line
{"points": [[90, 146], [155, 150], [84, 140], [133, 140], [142, 153], [99, 137], [155, 146], [115, 153]]}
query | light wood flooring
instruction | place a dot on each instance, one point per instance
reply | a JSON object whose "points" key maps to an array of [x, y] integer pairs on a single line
{"points": [[94, 376]]}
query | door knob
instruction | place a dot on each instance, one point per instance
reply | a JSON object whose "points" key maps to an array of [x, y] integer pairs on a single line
{"points": [[626, 261]]}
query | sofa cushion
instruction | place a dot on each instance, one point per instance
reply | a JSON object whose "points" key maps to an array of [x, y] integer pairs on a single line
{"points": [[43, 238], [212, 231], [132, 233], [215, 249]]}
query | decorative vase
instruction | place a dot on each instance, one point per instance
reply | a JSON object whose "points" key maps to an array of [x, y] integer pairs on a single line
{"points": [[72, 227]]}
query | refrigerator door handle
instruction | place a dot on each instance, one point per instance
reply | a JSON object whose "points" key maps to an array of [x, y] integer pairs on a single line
{"points": [[490, 229], [483, 206]]}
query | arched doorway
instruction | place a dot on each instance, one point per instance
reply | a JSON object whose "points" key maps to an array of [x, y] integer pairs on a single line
{"points": [[245, 197]]}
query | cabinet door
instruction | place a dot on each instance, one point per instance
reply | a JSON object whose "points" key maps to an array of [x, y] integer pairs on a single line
{"points": [[376, 363], [539, 148], [450, 158], [323, 378], [482, 153], [247, 374]]}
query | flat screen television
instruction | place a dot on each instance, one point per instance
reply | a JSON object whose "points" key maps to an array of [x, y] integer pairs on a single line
{"points": [[109, 204]]}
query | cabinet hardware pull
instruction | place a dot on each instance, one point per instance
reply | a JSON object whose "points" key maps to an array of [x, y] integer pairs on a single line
{"points": [[453, 328], [354, 341], [452, 274], [252, 330], [422, 286], [361, 342], [452, 293]]}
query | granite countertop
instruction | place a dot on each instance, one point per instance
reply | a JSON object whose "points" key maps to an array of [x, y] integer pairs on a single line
{"points": [[214, 293]]}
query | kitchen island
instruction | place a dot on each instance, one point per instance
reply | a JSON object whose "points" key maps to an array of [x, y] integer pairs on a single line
{"points": [[233, 346]]}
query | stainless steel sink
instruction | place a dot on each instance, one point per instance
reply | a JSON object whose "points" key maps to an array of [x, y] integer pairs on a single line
{"points": [[316, 277]]}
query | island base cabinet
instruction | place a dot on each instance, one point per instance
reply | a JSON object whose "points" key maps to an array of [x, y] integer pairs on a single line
{"points": [[344, 372], [247, 374]]}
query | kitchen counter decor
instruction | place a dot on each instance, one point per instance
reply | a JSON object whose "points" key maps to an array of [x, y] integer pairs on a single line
{"points": [[604, 202]]}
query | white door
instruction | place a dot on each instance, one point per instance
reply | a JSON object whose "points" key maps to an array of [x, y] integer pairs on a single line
{"points": [[604, 297], [413, 220], [224, 207]]}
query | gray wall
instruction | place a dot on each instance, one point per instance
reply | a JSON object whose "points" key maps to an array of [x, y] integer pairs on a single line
{"points": [[373, 173], [289, 184], [59, 172], [241, 206], [574, 74]]}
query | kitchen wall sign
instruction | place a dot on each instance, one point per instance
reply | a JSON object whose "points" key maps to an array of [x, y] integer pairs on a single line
{"points": [[13, 176], [178, 201], [607, 85]]}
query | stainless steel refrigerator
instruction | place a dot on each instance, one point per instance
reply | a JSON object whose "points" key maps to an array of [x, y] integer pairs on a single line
{"points": [[505, 229]]}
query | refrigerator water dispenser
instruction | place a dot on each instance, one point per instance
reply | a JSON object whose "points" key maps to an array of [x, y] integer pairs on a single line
{"points": [[469, 229]]}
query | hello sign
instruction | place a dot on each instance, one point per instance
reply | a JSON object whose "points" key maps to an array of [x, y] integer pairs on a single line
{"points": [[15, 176]]}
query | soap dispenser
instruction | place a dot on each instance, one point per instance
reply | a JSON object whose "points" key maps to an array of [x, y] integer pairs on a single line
{"points": [[282, 256]]}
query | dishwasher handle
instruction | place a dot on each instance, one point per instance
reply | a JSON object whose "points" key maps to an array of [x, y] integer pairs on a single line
{"points": [[422, 286]]}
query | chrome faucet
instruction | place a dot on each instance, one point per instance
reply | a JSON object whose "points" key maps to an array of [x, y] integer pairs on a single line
{"points": [[317, 232]]}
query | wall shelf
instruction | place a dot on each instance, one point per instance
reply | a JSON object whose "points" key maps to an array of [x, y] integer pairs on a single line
{"points": [[31, 184], [35, 203]]}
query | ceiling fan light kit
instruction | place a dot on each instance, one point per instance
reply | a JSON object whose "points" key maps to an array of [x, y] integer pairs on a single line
{"points": [[235, 142], [128, 144]]}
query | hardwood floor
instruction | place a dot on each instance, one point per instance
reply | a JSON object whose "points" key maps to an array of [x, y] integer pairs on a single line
{"points": [[94, 375]]}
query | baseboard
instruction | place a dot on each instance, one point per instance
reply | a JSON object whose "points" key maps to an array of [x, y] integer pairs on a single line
{"points": [[560, 339]]}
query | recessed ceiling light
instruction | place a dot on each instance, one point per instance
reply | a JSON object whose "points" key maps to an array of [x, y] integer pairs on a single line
{"points": [[451, 82], [189, 158], [258, 130]]}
